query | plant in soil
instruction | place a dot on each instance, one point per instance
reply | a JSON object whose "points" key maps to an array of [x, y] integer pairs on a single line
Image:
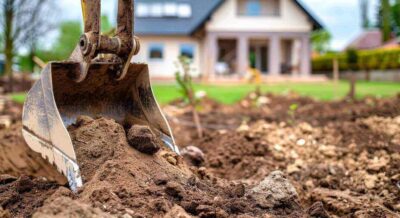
{"points": [[352, 61], [184, 80]]}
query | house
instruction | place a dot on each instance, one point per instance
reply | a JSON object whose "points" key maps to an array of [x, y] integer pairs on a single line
{"points": [[225, 37], [368, 39]]}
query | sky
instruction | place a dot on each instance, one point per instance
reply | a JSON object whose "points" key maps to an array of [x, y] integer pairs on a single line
{"points": [[340, 17]]}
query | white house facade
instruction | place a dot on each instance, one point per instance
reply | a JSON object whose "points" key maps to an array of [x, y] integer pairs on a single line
{"points": [[225, 38]]}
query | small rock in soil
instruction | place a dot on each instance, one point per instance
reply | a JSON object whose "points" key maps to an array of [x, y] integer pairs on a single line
{"points": [[82, 120], [177, 211], [174, 189], [142, 139], [275, 191], [317, 210], [193, 155]]}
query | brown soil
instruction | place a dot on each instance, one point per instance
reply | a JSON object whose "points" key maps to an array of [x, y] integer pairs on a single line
{"points": [[17, 159], [339, 159], [346, 152]]}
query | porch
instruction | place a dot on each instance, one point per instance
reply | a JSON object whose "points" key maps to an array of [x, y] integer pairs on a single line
{"points": [[276, 55]]}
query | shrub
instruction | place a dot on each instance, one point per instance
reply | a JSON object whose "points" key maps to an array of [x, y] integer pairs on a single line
{"points": [[367, 60]]}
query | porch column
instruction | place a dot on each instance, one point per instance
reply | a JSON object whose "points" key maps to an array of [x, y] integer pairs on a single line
{"points": [[242, 55], [305, 65], [211, 54], [296, 56], [275, 55]]}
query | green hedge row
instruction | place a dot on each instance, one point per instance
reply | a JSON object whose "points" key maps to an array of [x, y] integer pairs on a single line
{"points": [[367, 60]]}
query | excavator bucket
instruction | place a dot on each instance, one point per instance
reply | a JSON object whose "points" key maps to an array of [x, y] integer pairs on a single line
{"points": [[57, 99]]}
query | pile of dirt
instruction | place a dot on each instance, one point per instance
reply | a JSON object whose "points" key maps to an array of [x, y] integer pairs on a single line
{"points": [[267, 156], [362, 156], [291, 108], [121, 181]]}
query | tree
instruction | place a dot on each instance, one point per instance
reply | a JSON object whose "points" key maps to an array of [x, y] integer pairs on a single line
{"points": [[396, 16], [320, 40], [385, 20], [364, 14], [352, 61], [23, 21], [68, 38]]}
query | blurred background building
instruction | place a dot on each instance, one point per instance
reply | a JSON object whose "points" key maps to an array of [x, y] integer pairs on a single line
{"points": [[226, 38]]}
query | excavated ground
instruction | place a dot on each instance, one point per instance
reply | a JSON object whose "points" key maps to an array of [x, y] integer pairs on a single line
{"points": [[268, 156]]}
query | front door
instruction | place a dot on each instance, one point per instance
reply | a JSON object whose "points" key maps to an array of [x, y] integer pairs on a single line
{"points": [[259, 57]]}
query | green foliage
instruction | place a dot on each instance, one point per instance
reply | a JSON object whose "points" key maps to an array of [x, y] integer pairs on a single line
{"points": [[352, 58], [1, 42], [292, 113], [396, 16], [364, 14], [106, 25], [386, 20], [320, 40], [70, 32], [183, 78], [366, 60]]}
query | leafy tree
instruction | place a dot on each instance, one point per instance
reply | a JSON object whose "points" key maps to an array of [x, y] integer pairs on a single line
{"points": [[386, 20], [320, 40], [23, 22], [352, 61], [70, 32], [396, 17], [364, 14]]}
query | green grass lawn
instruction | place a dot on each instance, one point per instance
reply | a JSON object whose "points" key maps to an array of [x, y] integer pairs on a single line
{"points": [[229, 94]]}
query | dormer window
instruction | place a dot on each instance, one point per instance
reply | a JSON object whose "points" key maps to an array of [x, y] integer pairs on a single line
{"points": [[256, 8], [163, 9]]}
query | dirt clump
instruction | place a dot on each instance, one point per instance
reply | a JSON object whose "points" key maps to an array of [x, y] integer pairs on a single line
{"points": [[143, 139]]}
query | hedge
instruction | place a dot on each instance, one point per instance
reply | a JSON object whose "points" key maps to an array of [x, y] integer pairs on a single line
{"points": [[367, 60]]}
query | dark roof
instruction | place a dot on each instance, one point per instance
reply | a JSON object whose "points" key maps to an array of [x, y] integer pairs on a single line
{"points": [[316, 23], [369, 39], [202, 10]]}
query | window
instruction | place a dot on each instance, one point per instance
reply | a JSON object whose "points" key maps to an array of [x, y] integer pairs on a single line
{"points": [[258, 7], [184, 11], [187, 50], [170, 9], [163, 9], [156, 51], [253, 8], [156, 10], [142, 10]]}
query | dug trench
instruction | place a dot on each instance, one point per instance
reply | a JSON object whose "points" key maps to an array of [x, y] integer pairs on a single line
{"points": [[335, 163]]}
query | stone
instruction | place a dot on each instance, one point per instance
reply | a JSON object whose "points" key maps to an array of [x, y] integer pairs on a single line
{"points": [[274, 191], [193, 154], [143, 139], [370, 181], [177, 212]]}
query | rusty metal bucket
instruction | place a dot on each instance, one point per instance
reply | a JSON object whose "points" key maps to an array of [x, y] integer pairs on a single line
{"points": [[56, 100]]}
